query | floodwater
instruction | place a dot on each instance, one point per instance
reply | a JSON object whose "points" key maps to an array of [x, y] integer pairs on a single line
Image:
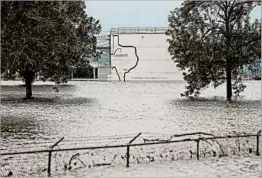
{"points": [[84, 109]]}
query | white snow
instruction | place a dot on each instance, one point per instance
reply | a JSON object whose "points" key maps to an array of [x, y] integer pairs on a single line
{"points": [[246, 167]]}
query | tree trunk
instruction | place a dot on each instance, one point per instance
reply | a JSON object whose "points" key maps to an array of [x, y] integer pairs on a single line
{"points": [[29, 77], [28, 85], [229, 83], [228, 56]]}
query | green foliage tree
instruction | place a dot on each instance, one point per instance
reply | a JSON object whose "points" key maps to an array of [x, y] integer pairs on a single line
{"points": [[211, 41], [46, 37]]}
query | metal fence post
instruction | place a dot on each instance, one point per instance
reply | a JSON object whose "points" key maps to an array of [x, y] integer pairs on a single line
{"points": [[49, 162], [50, 156], [258, 134], [197, 151], [127, 155], [128, 149]]}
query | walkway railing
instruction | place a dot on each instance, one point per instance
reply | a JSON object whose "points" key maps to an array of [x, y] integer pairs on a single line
{"points": [[204, 142], [139, 30]]}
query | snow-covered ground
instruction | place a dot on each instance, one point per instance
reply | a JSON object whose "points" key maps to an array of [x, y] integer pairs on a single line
{"points": [[84, 109], [240, 167]]}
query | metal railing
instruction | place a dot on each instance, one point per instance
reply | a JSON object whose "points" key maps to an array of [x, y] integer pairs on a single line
{"points": [[139, 30]]}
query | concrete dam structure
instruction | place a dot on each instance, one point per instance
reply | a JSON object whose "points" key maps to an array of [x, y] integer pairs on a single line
{"points": [[141, 54]]}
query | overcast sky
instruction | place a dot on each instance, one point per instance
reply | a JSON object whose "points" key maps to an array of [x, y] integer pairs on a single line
{"points": [[113, 14]]}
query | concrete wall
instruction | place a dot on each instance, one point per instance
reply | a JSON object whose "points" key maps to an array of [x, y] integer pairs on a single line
{"points": [[103, 72], [154, 59]]}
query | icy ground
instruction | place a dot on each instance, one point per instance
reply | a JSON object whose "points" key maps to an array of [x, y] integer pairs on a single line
{"points": [[241, 167], [84, 109]]}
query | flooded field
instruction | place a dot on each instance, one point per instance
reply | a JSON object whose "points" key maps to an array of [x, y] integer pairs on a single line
{"points": [[87, 108]]}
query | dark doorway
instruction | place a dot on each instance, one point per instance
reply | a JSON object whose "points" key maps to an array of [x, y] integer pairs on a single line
{"points": [[96, 73]]}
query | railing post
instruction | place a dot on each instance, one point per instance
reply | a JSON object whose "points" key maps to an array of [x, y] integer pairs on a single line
{"points": [[258, 134], [128, 149], [50, 156], [197, 151]]}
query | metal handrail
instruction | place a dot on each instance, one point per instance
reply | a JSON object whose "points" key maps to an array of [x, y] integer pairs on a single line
{"points": [[139, 30]]}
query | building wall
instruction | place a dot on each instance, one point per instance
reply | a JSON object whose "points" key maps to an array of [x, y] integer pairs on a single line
{"points": [[251, 71], [104, 59], [154, 59], [103, 72]]}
